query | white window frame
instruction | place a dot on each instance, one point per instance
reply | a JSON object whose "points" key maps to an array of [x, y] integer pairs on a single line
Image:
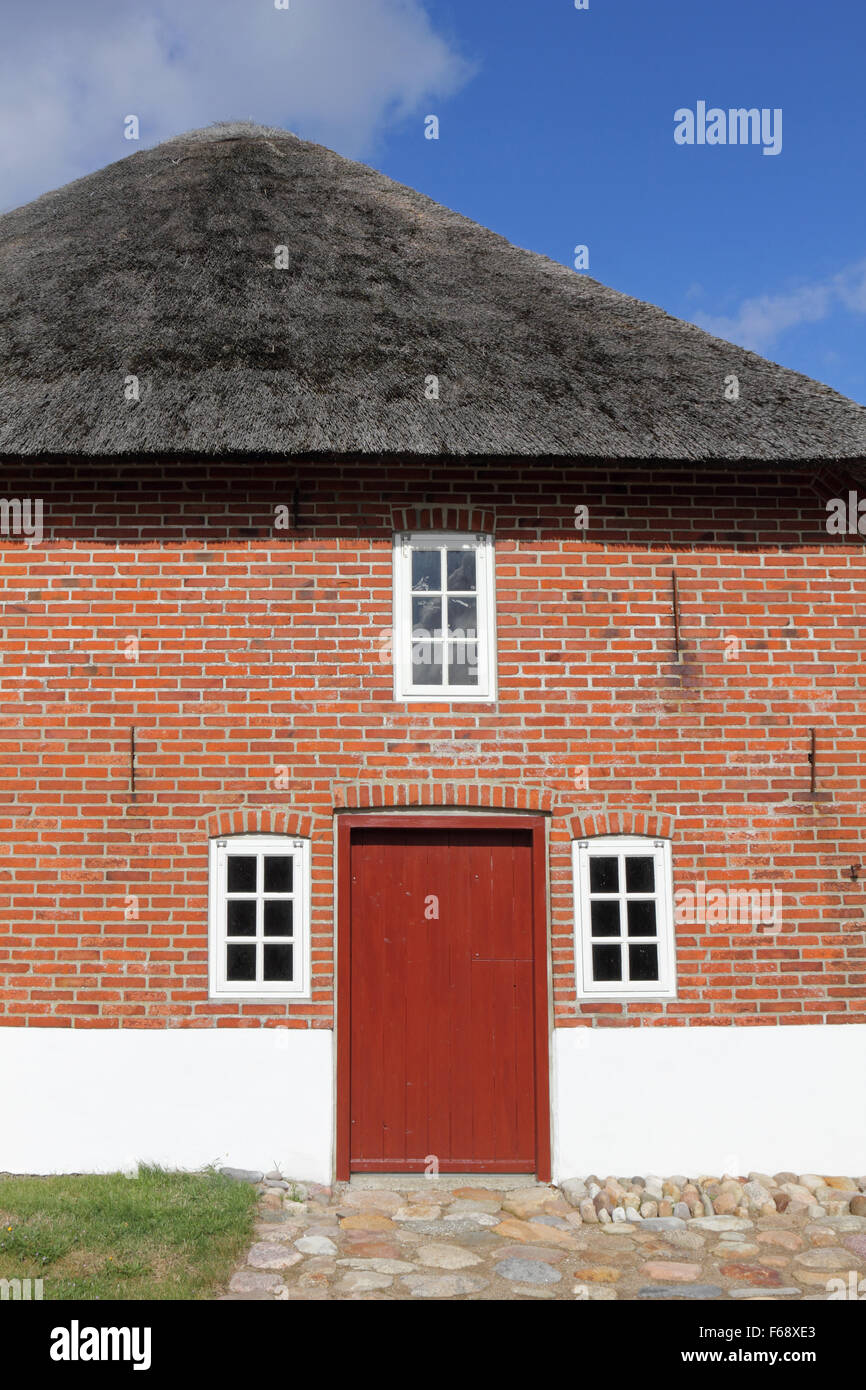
{"points": [[221, 849], [485, 691], [603, 846]]}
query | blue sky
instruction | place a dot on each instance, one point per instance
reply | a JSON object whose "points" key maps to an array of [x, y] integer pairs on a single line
{"points": [[556, 128]]}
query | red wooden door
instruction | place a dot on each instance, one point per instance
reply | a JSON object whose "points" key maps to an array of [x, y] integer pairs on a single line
{"points": [[443, 1007]]}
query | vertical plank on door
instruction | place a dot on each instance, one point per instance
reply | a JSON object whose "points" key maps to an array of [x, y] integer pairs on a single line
{"points": [[419, 945], [432, 1000], [462, 866], [400, 917], [368, 969]]}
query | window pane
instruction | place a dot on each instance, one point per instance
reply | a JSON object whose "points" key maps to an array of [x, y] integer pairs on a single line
{"points": [[241, 963], [278, 962], [462, 617], [460, 566], [641, 918], [426, 569], [278, 873], [241, 917], [426, 663], [463, 663], [426, 617], [605, 918], [643, 962], [606, 963], [640, 874], [242, 873], [278, 917], [603, 874]]}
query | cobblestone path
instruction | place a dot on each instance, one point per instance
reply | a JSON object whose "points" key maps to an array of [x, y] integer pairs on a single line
{"points": [[473, 1242]]}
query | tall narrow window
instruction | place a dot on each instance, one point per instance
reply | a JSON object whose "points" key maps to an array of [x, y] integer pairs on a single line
{"points": [[259, 917], [624, 934], [444, 647]]}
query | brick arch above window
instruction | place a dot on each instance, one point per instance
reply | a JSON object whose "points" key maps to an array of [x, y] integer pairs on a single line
{"points": [[260, 820], [441, 518], [479, 795], [621, 821]]}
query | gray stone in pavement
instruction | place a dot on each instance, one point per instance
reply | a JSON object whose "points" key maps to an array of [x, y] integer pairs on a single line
{"points": [[445, 1228], [315, 1245], [658, 1291], [764, 1293], [245, 1282], [364, 1281], [574, 1189], [442, 1286], [270, 1255], [527, 1271], [825, 1257], [839, 1223]]}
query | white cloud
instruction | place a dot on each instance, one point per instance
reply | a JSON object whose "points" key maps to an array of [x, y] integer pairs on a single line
{"points": [[851, 289], [335, 71], [758, 322]]}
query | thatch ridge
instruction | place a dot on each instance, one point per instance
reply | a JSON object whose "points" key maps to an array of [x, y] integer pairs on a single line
{"points": [[162, 266]]}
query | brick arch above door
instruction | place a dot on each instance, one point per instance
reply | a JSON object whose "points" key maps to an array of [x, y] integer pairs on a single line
{"points": [[370, 795]]}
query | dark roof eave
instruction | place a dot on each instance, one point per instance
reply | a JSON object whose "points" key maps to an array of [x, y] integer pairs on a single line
{"points": [[657, 461]]}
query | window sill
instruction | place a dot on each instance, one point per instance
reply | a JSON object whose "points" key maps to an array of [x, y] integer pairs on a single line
{"points": [[432, 698], [260, 999], [641, 998]]}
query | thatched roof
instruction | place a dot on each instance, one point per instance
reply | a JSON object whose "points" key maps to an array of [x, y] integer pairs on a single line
{"points": [[162, 266]]}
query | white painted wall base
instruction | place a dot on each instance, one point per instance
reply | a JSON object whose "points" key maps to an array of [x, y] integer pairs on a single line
{"points": [[626, 1100], [80, 1100], [636, 1101]]}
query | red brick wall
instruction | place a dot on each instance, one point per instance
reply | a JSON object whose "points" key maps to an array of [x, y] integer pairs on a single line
{"points": [[260, 649]]}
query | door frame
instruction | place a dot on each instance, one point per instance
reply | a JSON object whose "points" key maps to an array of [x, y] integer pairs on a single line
{"points": [[445, 820]]}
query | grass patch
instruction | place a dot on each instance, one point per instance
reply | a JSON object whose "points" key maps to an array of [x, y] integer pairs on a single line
{"points": [[102, 1236]]}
